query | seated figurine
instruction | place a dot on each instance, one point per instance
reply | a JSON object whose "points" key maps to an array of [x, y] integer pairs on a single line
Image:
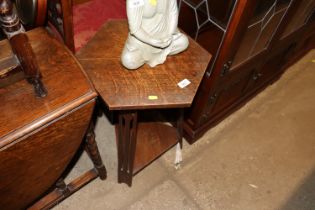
{"points": [[153, 33]]}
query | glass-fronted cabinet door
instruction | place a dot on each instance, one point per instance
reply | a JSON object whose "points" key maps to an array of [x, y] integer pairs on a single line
{"points": [[205, 21], [261, 28], [304, 14]]}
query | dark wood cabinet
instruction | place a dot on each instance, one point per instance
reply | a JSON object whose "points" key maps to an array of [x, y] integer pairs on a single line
{"points": [[253, 42]]}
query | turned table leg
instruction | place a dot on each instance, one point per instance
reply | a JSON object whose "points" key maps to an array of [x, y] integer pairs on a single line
{"points": [[127, 139], [92, 150]]}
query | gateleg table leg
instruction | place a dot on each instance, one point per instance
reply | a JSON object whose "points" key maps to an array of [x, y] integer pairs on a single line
{"points": [[92, 150], [64, 190]]}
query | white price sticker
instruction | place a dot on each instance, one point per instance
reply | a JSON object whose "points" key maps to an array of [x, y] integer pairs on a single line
{"points": [[136, 3], [183, 83]]}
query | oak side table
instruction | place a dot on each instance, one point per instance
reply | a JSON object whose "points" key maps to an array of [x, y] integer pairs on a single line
{"points": [[134, 94]]}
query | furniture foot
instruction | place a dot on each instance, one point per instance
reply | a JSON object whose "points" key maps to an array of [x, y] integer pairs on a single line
{"points": [[39, 87], [127, 137], [62, 187]]}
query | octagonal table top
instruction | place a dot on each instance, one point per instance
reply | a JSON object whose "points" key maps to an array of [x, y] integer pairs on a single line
{"points": [[146, 87]]}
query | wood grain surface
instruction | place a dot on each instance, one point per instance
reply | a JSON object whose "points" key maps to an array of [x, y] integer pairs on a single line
{"points": [[122, 89], [153, 139], [21, 112], [31, 165]]}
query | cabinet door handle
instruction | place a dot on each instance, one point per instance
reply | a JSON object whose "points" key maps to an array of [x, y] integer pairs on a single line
{"points": [[213, 98], [256, 76], [226, 67]]}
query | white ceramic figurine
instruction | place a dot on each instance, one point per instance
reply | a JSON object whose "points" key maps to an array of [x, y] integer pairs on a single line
{"points": [[153, 33]]}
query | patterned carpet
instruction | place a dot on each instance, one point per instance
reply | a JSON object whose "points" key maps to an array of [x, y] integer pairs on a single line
{"points": [[90, 16]]}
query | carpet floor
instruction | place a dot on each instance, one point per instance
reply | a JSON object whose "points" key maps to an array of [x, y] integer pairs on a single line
{"points": [[90, 16]]}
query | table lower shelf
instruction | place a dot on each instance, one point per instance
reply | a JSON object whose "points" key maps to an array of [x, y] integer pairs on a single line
{"points": [[153, 139]]}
